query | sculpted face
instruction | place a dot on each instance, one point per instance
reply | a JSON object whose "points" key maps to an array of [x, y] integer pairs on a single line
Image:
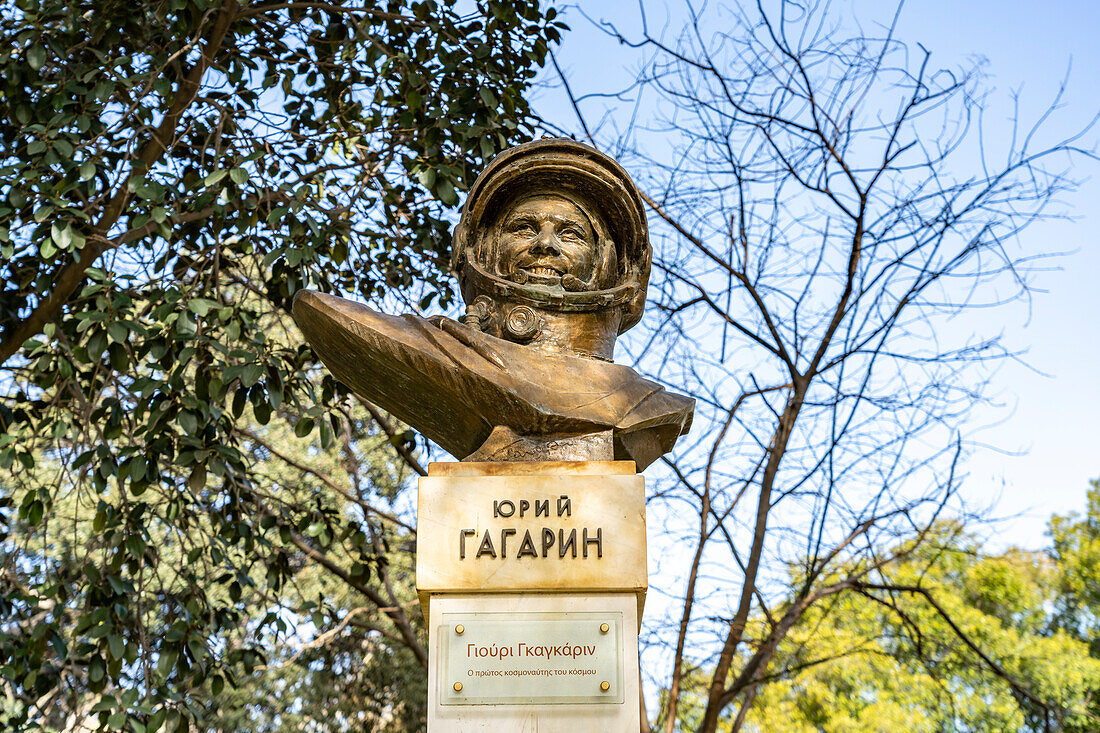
{"points": [[544, 239]]}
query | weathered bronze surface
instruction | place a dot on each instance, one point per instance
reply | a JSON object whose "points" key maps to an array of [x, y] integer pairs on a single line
{"points": [[553, 256]]}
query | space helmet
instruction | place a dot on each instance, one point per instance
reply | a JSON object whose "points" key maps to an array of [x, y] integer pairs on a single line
{"points": [[596, 185]]}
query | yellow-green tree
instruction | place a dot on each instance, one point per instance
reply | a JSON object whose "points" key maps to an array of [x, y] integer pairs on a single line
{"points": [[946, 638]]}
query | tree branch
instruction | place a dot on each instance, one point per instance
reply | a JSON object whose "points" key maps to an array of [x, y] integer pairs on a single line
{"points": [[70, 278]]}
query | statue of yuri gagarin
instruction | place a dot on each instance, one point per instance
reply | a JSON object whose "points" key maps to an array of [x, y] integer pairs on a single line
{"points": [[552, 254]]}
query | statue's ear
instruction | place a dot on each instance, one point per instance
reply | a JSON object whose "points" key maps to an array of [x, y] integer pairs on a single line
{"points": [[485, 243], [458, 249], [610, 258]]}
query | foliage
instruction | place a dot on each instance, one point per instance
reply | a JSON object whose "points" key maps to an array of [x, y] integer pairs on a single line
{"points": [[891, 660], [171, 173], [333, 663], [1077, 552]]}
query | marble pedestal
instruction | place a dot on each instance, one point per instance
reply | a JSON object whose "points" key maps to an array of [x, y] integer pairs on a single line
{"points": [[532, 577]]}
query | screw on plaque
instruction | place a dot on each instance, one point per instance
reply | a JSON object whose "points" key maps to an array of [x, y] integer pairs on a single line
{"points": [[604, 628], [459, 629], [458, 686], [605, 686]]}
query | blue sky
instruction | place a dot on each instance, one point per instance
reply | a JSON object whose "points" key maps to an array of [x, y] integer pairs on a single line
{"points": [[1054, 416], [1043, 433]]}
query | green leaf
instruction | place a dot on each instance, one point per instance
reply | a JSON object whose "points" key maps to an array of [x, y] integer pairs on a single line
{"points": [[238, 175], [189, 422], [197, 480], [185, 326], [97, 343], [116, 645], [156, 720], [251, 374], [201, 306], [240, 397], [339, 253], [87, 171], [96, 669], [167, 660], [446, 192], [327, 437], [61, 235], [35, 511], [118, 332], [135, 546], [102, 629], [486, 145], [60, 647], [276, 215], [117, 584], [214, 177], [36, 56], [138, 467], [303, 427], [148, 192]]}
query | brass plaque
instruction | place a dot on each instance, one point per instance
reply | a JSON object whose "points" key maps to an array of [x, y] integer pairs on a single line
{"points": [[531, 658]]}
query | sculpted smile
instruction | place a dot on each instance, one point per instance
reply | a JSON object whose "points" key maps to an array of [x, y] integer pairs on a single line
{"points": [[540, 269], [544, 271]]}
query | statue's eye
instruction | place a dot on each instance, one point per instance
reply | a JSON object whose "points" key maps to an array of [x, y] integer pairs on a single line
{"points": [[570, 233], [522, 227]]}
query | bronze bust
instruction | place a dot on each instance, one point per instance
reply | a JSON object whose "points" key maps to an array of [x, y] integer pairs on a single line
{"points": [[552, 254]]}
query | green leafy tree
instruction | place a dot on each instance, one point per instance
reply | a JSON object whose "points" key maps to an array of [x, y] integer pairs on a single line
{"points": [[333, 658], [317, 627], [171, 173]]}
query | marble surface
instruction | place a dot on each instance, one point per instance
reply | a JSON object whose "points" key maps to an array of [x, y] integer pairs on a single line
{"points": [[471, 536], [621, 714]]}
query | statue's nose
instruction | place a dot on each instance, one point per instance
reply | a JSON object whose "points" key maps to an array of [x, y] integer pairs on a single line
{"points": [[546, 242]]}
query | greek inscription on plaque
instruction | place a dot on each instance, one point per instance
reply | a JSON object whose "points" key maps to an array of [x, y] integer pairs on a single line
{"points": [[531, 658]]}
